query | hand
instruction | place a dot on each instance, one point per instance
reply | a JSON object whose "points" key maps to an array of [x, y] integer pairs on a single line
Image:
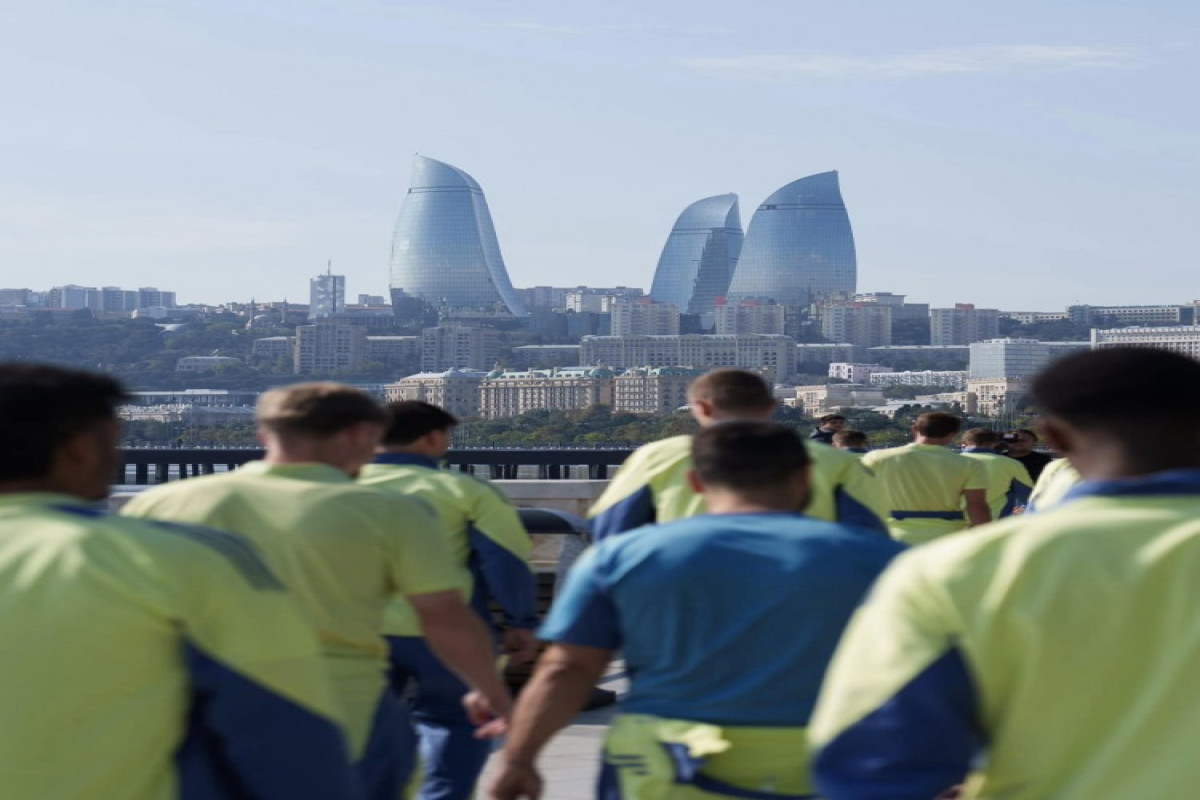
{"points": [[490, 715], [515, 782], [520, 645]]}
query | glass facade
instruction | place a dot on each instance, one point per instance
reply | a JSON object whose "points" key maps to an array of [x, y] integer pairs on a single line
{"points": [[700, 255], [799, 246], [445, 250]]}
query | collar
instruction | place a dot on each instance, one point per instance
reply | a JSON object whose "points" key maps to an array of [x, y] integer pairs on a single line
{"points": [[1171, 482], [411, 459], [983, 450], [857, 450], [42, 499], [309, 471]]}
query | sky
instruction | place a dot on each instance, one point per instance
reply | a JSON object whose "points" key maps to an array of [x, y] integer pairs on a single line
{"points": [[1023, 155]]}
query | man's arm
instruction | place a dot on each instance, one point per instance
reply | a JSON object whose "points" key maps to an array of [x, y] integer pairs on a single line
{"points": [[978, 512], [459, 638], [627, 502], [559, 690]]}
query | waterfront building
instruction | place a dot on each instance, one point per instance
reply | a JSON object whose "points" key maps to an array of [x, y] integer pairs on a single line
{"points": [[455, 390], [511, 393], [698, 259], [653, 390], [799, 247], [445, 252]]}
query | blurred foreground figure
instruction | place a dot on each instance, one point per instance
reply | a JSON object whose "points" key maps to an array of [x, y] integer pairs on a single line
{"points": [[726, 621], [1061, 646], [652, 485], [346, 551], [141, 661]]}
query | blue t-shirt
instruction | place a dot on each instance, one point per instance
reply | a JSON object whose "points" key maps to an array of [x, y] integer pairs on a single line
{"points": [[729, 619]]}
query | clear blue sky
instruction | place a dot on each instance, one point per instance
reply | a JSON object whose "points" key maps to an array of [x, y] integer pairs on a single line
{"points": [[1025, 154]]}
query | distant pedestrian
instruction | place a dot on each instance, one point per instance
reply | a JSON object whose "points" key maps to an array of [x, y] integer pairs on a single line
{"points": [[1020, 444], [1009, 484], [851, 441], [827, 426]]}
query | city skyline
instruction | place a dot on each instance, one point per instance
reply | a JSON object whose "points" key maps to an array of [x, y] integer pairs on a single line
{"points": [[1017, 156]]}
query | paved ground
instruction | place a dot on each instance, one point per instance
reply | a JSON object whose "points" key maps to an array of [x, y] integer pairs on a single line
{"points": [[569, 763]]}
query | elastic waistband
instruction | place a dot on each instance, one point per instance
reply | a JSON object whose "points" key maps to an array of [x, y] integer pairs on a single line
{"points": [[956, 516]]}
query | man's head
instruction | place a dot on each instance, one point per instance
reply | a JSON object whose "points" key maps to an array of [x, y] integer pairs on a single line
{"points": [[747, 465], [1123, 411], [981, 437], [1020, 441], [419, 427], [832, 422], [58, 430], [936, 427], [850, 440], [727, 394], [327, 423]]}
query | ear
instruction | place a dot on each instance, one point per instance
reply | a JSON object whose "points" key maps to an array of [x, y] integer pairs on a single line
{"points": [[1058, 435], [701, 410], [694, 483]]}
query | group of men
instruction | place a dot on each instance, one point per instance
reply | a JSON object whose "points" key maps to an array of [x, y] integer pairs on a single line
{"points": [[796, 620]]}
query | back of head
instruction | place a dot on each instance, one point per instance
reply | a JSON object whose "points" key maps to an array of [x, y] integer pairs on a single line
{"points": [[316, 409], [937, 424], [850, 438], [748, 456], [733, 391], [981, 437], [412, 419], [831, 418], [42, 407], [1123, 391]]}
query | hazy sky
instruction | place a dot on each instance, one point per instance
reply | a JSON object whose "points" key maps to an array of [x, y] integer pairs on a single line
{"points": [[1024, 154]]}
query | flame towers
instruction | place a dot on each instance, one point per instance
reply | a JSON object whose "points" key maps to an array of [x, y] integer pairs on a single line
{"points": [[799, 246], [445, 253], [699, 256]]}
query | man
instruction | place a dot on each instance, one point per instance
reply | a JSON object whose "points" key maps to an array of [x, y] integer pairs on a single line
{"points": [[927, 486], [141, 661], [726, 621], [1009, 484], [851, 441], [346, 551], [1063, 643], [652, 486], [491, 549], [1052, 485], [1020, 444], [827, 426]]}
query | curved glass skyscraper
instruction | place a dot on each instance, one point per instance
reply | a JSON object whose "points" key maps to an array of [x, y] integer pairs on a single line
{"points": [[445, 250], [699, 256], [799, 246]]}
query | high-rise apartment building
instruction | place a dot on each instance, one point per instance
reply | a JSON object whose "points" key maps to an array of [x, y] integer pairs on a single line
{"points": [[861, 324], [749, 316], [327, 347], [644, 318], [445, 252], [326, 296], [73, 296], [963, 324], [459, 347], [150, 297], [1182, 339], [115, 299], [698, 260], [1116, 316], [799, 247]]}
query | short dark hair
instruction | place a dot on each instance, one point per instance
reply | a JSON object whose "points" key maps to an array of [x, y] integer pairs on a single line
{"points": [[1027, 431], [316, 409], [42, 408], [850, 438], [981, 437], [831, 418], [745, 455], [412, 419], [937, 424], [1117, 389], [732, 390]]}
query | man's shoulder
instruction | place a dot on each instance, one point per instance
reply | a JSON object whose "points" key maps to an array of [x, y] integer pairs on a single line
{"points": [[661, 455]]}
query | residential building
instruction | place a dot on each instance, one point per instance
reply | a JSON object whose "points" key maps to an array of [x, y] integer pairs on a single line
{"points": [[699, 257], [963, 324], [927, 377], [194, 397], [543, 356], [453, 346], [1035, 317], [1016, 358], [773, 355], [997, 397], [274, 350], [328, 347], [445, 252], [1185, 340], [856, 373], [116, 300], [897, 303], [861, 324], [150, 297], [653, 390], [509, 394], [749, 316], [644, 318], [799, 247], [455, 390], [819, 399], [393, 349], [73, 296], [1121, 316], [326, 296]]}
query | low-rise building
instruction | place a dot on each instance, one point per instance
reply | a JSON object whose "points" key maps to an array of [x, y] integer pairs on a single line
{"points": [[653, 390], [509, 394], [927, 377], [997, 397], [1183, 339], [821, 399], [455, 390], [856, 373]]}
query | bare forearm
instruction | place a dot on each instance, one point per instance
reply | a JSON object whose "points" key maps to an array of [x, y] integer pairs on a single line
{"points": [[556, 694]]}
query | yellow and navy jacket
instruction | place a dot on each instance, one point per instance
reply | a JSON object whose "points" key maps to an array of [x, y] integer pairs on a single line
{"points": [[1009, 484], [344, 550], [651, 486], [924, 485], [150, 661], [484, 532], [1061, 646], [1053, 484]]}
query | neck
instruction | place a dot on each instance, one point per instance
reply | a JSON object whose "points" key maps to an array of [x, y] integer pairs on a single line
{"points": [[940, 441], [1111, 460], [728, 503], [307, 452]]}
